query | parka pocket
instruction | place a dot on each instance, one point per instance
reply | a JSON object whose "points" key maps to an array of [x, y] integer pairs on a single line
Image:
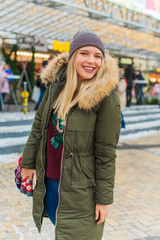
{"points": [[78, 171], [87, 165]]}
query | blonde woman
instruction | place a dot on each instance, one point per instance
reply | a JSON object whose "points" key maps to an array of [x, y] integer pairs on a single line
{"points": [[71, 148]]}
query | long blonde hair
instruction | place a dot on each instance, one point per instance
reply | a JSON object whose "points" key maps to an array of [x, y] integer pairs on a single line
{"points": [[68, 96]]}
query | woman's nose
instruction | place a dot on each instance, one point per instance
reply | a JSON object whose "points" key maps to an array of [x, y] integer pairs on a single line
{"points": [[91, 59]]}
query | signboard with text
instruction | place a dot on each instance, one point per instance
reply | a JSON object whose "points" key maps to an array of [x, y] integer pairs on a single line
{"points": [[25, 42], [39, 43]]}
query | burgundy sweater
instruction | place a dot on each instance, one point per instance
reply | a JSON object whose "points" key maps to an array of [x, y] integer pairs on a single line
{"points": [[54, 147]]}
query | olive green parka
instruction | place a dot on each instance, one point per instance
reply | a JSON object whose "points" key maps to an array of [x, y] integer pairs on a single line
{"points": [[88, 159]]}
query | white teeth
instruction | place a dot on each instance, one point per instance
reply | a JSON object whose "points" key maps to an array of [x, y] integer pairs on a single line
{"points": [[88, 68]]}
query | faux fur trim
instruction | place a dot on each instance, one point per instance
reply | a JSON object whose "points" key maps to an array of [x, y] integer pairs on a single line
{"points": [[49, 74], [95, 93]]}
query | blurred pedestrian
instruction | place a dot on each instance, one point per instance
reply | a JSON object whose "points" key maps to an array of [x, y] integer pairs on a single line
{"points": [[130, 76], [122, 94], [71, 148], [8, 71], [139, 87], [155, 90], [4, 85], [41, 85]]}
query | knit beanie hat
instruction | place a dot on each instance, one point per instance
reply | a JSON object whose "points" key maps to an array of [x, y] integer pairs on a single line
{"points": [[85, 38]]}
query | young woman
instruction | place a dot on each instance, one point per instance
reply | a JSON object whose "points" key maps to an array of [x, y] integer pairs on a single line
{"points": [[71, 148]]}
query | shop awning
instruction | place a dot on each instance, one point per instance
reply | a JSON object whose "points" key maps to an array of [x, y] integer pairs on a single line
{"points": [[61, 19]]}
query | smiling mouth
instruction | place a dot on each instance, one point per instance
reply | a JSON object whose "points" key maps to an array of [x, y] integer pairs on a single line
{"points": [[88, 69]]}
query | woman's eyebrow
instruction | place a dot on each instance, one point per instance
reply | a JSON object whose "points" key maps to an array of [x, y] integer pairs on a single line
{"points": [[88, 51], [83, 50], [99, 53]]}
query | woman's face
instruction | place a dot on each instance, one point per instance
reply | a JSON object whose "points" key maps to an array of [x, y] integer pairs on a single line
{"points": [[88, 61]]}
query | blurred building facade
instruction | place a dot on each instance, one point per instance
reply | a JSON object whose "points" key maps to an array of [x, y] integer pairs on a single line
{"points": [[131, 35]]}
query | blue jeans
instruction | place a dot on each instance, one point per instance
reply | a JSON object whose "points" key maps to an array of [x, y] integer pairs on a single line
{"points": [[123, 124], [51, 198]]}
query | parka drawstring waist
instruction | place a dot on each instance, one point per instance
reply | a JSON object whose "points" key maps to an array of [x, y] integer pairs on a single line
{"points": [[67, 155]]}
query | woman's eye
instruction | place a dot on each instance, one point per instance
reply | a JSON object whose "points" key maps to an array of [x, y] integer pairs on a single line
{"points": [[83, 53], [97, 56]]}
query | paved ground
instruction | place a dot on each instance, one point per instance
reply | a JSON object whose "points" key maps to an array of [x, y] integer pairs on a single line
{"points": [[134, 215], [15, 126]]}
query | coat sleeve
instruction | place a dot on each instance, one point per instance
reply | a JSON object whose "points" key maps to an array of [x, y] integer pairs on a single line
{"points": [[106, 138], [29, 154]]}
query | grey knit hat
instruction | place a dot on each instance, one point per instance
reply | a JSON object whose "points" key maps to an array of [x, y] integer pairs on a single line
{"points": [[85, 38]]}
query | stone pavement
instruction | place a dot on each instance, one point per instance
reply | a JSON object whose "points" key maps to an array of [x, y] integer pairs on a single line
{"points": [[135, 214]]}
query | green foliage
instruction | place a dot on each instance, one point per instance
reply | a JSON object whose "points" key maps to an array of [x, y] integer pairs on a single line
{"points": [[151, 100], [7, 57], [32, 69]]}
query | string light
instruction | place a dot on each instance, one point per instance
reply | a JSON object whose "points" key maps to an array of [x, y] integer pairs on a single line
{"points": [[29, 54], [153, 80]]}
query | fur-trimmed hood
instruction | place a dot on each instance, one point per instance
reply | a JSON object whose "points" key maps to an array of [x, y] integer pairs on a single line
{"points": [[100, 88]]}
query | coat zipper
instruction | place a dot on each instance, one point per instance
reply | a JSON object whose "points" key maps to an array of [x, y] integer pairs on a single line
{"points": [[60, 178], [42, 155], [61, 174]]}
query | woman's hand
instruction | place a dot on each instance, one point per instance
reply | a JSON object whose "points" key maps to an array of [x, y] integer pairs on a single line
{"points": [[28, 173], [101, 212]]}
